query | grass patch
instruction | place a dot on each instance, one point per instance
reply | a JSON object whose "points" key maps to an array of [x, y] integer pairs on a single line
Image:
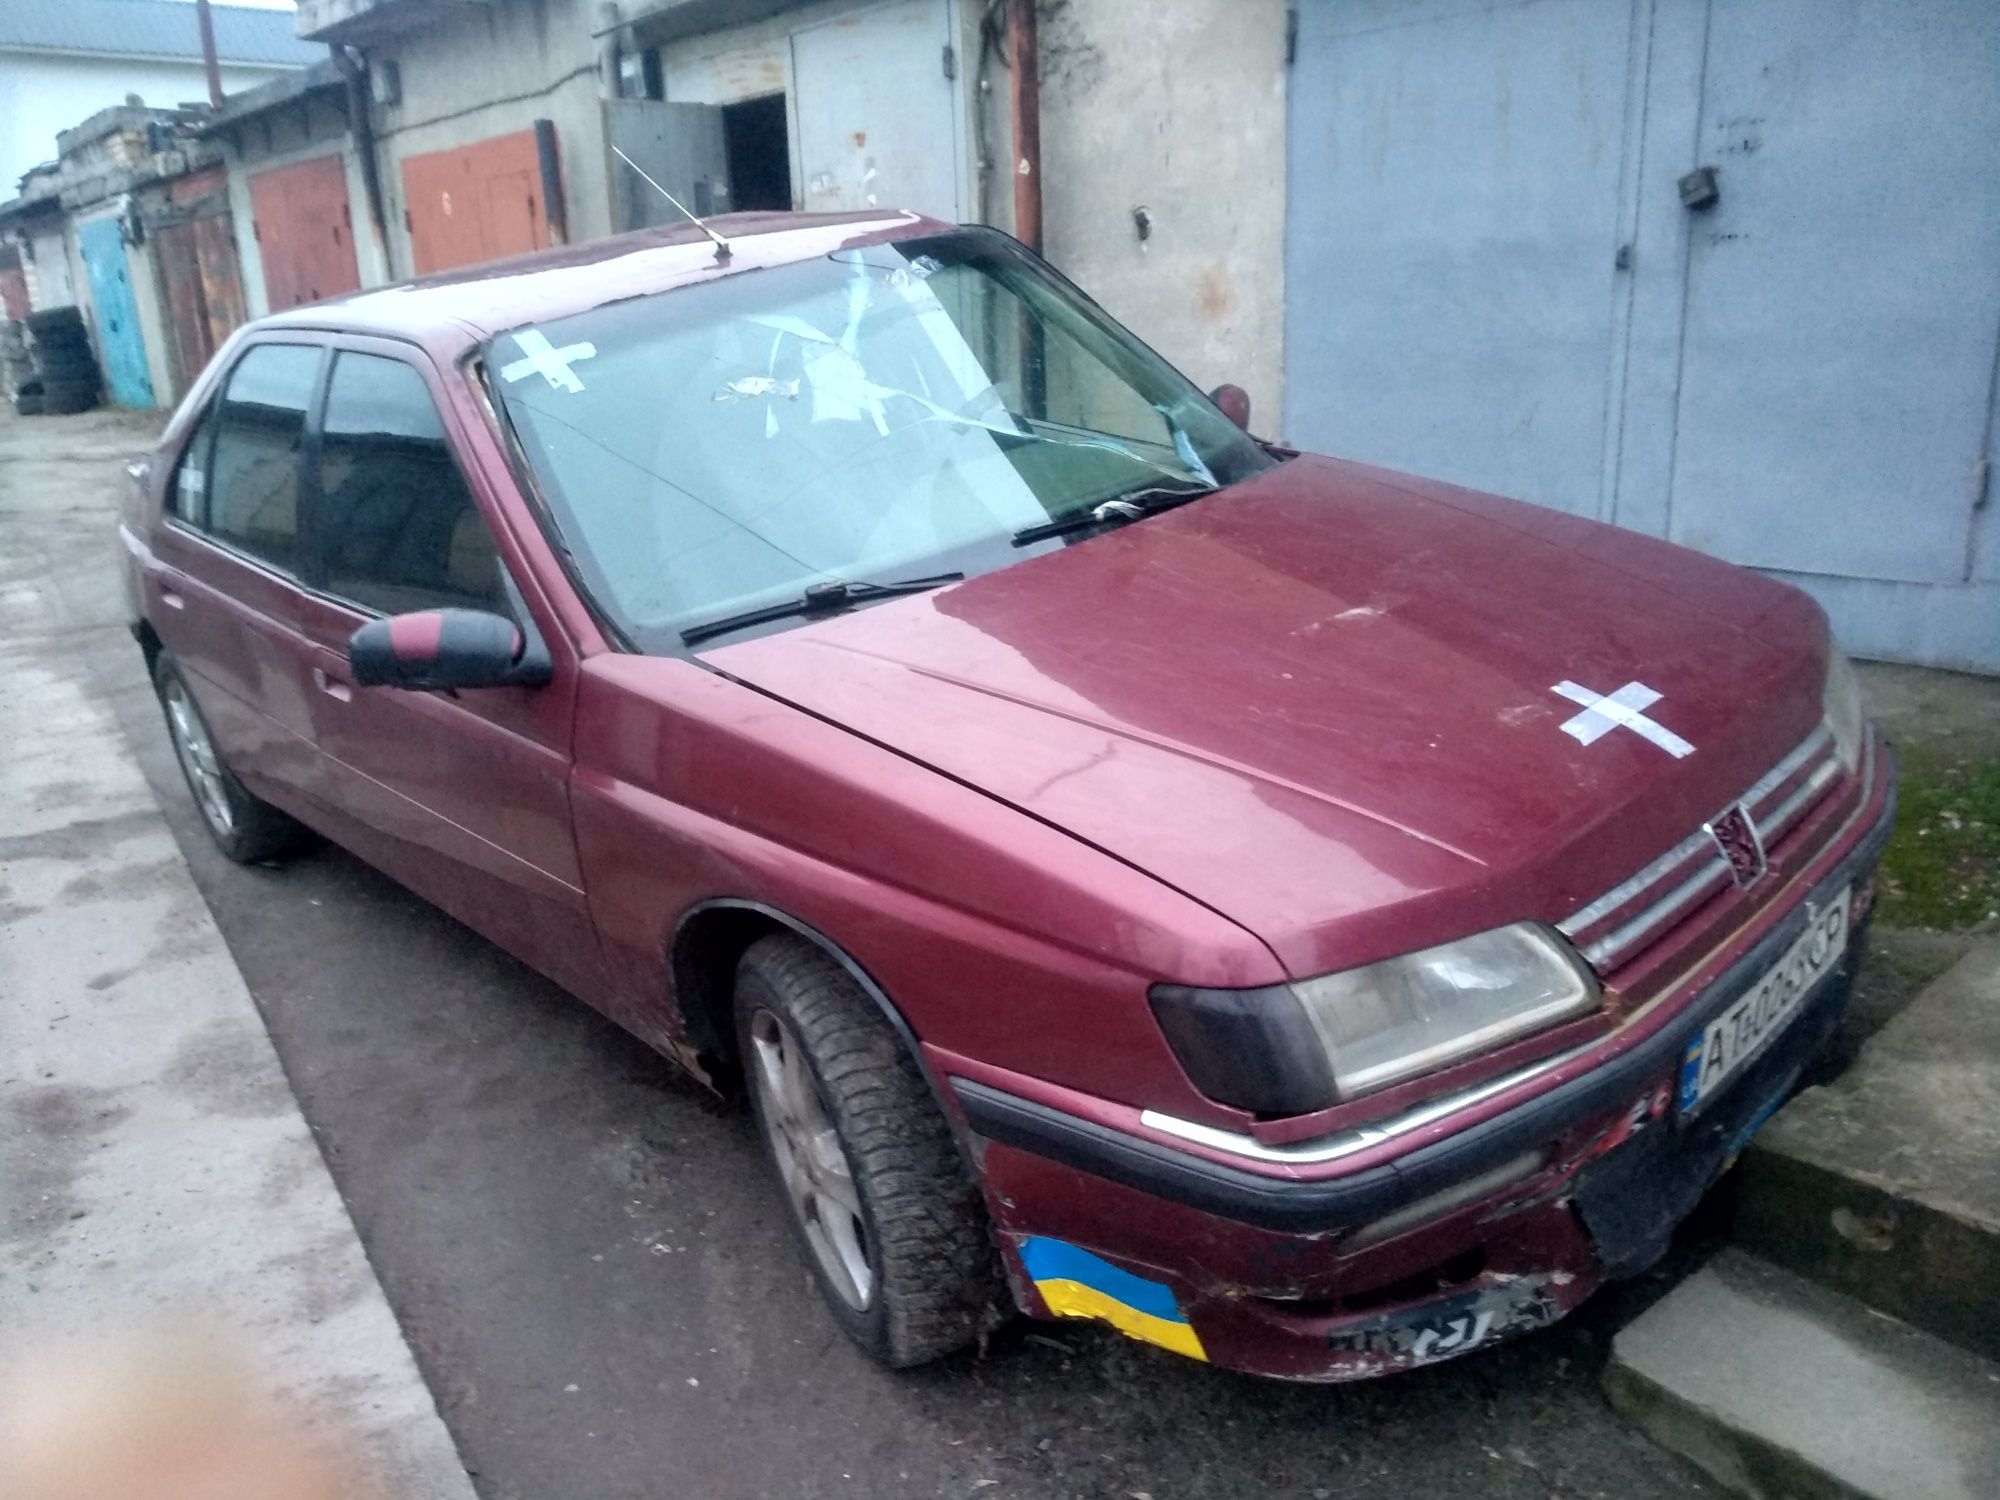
{"points": [[1942, 868]]}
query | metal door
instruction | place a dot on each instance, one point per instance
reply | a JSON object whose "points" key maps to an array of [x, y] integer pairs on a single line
{"points": [[1844, 291], [877, 111], [304, 231], [1450, 273], [474, 203], [120, 344], [680, 146]]}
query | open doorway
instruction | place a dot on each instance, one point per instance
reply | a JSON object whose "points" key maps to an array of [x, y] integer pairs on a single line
{"points": [[757, 142]]}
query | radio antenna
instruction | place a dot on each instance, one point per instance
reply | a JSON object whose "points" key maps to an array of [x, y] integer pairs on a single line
{"points": [[721, 244]]}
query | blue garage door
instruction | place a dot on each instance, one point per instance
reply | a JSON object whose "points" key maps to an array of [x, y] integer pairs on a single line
{"points": [[1493, 278], [119, 342]]}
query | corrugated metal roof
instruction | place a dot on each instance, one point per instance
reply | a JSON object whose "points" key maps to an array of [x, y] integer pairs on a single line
{"points": [[153, 28]]}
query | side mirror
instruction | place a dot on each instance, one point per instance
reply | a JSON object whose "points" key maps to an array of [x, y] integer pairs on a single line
{"points": [[447, 648], [1234, 403]]}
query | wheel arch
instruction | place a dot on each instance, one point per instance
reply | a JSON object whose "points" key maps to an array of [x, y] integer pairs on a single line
{"points": [[709, 941]]}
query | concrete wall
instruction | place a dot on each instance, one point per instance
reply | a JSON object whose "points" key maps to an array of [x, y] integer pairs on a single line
{"points": [[40, 95], [315, 126], [480, 71], [1179, 109]]}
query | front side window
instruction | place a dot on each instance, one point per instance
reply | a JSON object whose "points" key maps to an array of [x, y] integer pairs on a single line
{"points": [[253, 480], [882, 412], [398, 529]]}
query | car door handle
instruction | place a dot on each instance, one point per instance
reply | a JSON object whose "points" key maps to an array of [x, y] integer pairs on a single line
{"points": [[172, 600], [333, 687]]}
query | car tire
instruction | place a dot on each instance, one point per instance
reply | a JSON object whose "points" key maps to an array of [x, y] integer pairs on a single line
{"points": [[54, 322], [28, 403], [67, 364], [63, 398], [245, 827], [906, 1262]]}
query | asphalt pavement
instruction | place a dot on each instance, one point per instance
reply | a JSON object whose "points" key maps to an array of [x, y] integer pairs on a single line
{"points": [[597, 1278]]}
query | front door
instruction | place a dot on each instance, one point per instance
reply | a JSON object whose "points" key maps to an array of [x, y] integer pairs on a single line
{"points": [[119, 341], [463, 797]]}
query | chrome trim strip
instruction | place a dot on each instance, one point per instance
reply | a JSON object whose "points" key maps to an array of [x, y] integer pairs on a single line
{"points": [[1608, 949], [1819, 741], [1347, 1142], [1808, 792], [1580, 919], [1625, 890]]}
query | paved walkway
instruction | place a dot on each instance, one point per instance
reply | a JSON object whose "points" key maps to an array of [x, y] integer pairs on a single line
{"points": [[155, 1171]]}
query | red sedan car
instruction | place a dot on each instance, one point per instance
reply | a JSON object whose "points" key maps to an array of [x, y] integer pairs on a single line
{"points": [[1317, 920]]}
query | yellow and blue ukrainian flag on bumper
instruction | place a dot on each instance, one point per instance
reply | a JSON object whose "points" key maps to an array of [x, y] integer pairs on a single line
{"points": [[1076, 1284]]}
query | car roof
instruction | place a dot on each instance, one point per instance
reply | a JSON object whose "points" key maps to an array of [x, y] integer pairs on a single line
{"points": [[453, 310]]}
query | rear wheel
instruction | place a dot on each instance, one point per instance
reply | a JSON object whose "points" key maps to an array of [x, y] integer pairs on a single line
{"points": [[245, 827], [891, 1218]]}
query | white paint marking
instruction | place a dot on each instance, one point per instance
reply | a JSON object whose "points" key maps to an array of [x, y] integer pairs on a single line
{"points": [[544, 359], [1624, 708]]}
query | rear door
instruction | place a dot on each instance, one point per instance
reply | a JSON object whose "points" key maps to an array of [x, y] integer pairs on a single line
{"points": [[463, 797], [226, 576]]}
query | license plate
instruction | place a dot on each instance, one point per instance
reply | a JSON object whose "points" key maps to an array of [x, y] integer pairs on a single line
{"points": [[1732, 1039]]}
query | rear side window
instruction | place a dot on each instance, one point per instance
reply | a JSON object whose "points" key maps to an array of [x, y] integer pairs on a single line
{"points": [[253, 481], [398, 528]]}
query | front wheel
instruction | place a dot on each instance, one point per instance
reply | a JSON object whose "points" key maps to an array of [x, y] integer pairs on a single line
{"points": [[891, 1219]]}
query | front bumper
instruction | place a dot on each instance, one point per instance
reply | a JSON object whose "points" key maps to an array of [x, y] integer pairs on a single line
{"points": [[1467, 1235]]}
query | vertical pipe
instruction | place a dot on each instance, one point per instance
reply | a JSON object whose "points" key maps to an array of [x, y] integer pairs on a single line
{"points": [[208, 62], [360, 123], [554, 209], [1027, 100]]}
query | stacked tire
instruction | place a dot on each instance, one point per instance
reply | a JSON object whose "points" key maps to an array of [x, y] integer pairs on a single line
{"points": [[65, 369]]}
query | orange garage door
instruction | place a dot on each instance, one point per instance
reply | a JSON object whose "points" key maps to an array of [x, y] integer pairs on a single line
{"points": [[474, 203]]}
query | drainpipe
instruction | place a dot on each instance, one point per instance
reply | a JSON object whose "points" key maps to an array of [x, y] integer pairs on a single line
{"points": [[1027, 101], [206, 23], [354, 68]]}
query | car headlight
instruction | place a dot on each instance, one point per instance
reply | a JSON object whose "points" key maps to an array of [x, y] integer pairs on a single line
{"points": [[1840, 701], [1294, 1048]]}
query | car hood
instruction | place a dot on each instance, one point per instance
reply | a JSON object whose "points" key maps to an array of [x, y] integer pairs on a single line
{"points": [[1322, 702]]}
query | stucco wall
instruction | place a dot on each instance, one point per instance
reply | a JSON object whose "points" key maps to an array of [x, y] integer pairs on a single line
{"points": [[41, 95], [1179, 109], [480, 71]]}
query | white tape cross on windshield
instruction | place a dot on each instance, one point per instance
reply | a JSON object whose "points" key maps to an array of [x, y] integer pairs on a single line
{"points": [[546, 360]]}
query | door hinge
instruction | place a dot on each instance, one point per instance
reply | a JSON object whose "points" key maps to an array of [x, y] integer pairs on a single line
{"points": [[1982, 483], [256, 231], [950, 62]]}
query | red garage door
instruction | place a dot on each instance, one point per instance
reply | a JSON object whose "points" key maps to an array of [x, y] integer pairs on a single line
{"points": [[474, 203], [304, 232]]}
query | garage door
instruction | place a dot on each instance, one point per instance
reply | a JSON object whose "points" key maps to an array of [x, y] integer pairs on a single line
{"points": [[304, 232], [1495, 277], [474, 203]]}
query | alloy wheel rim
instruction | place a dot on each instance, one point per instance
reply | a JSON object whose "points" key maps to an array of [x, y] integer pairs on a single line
{"points": [[813, 1166], [198, 759]]}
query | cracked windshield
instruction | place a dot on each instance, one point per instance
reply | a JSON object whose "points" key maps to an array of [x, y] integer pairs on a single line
{"points": [[884, 414]]}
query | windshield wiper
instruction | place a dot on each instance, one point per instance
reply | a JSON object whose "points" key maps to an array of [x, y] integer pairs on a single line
{"points": [[837, 594], [1130, 507]]}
